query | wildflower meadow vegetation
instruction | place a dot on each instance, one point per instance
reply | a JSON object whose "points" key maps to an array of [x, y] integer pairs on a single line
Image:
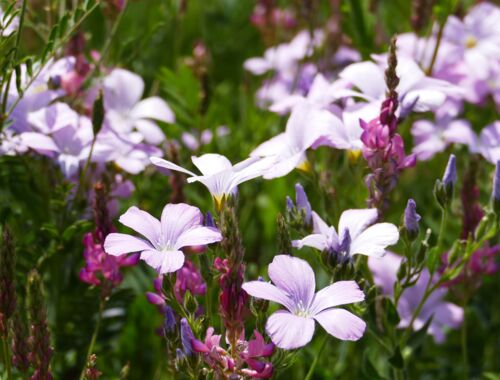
{"points": [[249, 189]]}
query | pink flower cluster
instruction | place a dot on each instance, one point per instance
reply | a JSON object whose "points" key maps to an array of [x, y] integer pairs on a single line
{"points": [[189, 278], [249, 353]]}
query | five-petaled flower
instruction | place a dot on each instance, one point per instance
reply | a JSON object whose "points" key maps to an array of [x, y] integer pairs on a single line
{"points": [[181, 226], [294, 288], [354, 235]]}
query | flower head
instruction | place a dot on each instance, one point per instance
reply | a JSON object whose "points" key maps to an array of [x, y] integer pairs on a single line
{"points": [[181, 226], [294, 288], [218, 174], [354, 234], [189, 278]]}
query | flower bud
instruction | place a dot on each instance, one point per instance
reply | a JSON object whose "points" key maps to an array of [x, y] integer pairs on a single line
{"points": [[495, 195], [450, 177], [411, 220]]}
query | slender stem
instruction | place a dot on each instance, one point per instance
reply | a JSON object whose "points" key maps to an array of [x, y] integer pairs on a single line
{"points": [[465, 354], [6, 357], [94, 336], [377, 338], [428, 291], [436, 48], [11, 61], [310, 373], [444, 219]]}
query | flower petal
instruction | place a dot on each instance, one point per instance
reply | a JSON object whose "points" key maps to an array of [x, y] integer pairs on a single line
{"points": [[153, 108], [165, 261], [169, 165], [374, 240], [356, 220], [267, 291], [177, 219], [142, 222], [211, 163], [289, 331], [198, 236], [338, 293], [117, 244], [295, 277], [317, 241], [341, 324]]}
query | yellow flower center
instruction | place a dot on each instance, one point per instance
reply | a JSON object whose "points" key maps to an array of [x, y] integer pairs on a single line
{"points": [[470, 42]]}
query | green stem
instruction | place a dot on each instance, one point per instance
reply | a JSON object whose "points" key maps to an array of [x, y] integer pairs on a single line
{"points": [[11, 62], [94, 336], [465, 354], [310, 373], [379, 341], [444, 219], [6, 357], [436, 48]]}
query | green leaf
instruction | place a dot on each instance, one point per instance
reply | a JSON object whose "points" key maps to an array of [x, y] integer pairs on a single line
{"points": [[396, 360]]}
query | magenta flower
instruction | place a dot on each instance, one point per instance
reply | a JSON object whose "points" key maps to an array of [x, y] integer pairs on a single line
{"points": [[181, 226], [189, 278], [99, 265], [444, 314], [355, 235], [294, 288]]}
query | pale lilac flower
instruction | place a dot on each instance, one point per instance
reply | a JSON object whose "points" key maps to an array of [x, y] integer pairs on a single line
{"points": [[305, 127], [125, 111], [126, 151], [181, 226], [489, 142], [355, 235], [218, 174], [476, 39], [431, 138], [67, 143], [294, 288], [444, 314], [416, 91], [11, 144], [284, 58]]}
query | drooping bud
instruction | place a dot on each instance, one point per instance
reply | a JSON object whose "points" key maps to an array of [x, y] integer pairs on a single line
{"points": [[411, 220]]}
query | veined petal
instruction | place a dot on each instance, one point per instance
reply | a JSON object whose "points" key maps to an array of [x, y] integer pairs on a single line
{"points": [[338, 293], [317, 241], [285, 165], [198, 236], [366, 76], [295, 277], [341, 324], [289, 331], [211, 163], [142, 222], [165, 261], [384, 271], [152, 133], [267, 291], [375, 239], [117, 244], [356, 220], [153, 108], [177, 219], [169, 165]]}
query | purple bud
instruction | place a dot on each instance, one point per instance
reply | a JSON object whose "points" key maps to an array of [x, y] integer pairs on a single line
{"points": [[450, 174], [155, 299], [158, 284], [411, 219], [209, 220], [186, 336], [289, 204], [169, 319], [303, 202], [496, 184]]}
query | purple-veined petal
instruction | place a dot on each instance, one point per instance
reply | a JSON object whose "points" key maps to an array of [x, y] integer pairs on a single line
{"points": [[211, 163], [356, 220], [338, 293], [117, 244], [38, 141], [198, 236], [169, 165], [285, 165], [317, 241], [375, 239], [164, 261], [295, 277], [341, 324], [142, 222], [366, 76], [289, 331], [153, 108], [267, 291], [177, 219], [122, 89]]}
